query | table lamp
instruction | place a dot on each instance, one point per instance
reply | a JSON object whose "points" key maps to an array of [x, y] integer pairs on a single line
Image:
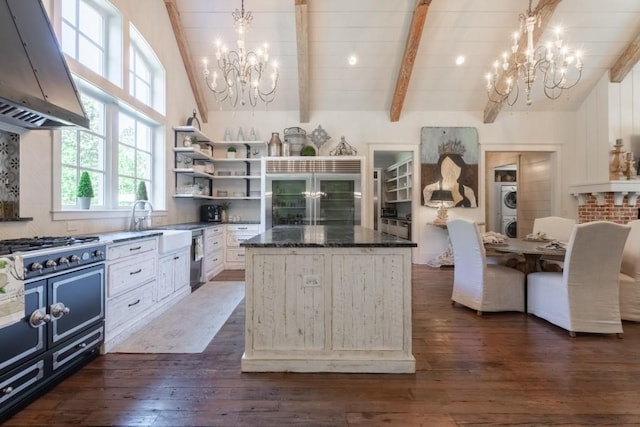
{"points": [[443, 199]]}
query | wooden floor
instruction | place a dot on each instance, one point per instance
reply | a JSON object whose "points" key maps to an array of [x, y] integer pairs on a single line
{"points": [[499, 369]]}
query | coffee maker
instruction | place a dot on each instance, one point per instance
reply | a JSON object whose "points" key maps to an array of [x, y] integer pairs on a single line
{"points": [[210, 213]]}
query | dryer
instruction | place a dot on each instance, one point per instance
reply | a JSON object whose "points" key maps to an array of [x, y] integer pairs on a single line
{"points": [[508, 200]]}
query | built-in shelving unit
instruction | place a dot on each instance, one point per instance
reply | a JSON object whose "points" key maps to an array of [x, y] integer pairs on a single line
{"points": [[398, 182], [204, 170]]}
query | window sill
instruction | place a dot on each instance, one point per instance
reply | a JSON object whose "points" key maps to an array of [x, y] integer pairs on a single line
{"points": [[77, 214]]}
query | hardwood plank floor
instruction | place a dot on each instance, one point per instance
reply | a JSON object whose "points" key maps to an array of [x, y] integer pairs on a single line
{"points": [[499, 369]]}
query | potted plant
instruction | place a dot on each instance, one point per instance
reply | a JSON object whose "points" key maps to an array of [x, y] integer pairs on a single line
{"points": [[231, 152], [224, 206], [141, 192], [85, 191]]}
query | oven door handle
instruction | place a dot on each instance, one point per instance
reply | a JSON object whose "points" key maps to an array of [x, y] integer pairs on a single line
{"points": [[58, 310], [39, 318]]}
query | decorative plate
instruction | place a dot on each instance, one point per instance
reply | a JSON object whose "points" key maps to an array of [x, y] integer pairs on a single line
{"points": [[319, 136]]}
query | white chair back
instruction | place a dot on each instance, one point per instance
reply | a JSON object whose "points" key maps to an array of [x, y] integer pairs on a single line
{"points": [[476, 284], [630, 275], [631, 255], [554, 227], [584, 297]]}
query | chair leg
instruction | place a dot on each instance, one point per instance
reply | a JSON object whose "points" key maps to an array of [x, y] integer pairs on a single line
{"points": [[619, 335], [453, 302], [572, 334]]}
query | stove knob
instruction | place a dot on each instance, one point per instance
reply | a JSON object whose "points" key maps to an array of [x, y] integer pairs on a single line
{"points": [[50, 263], [63, 260], [98, 253], [58, 310], [36, 266], [38, 318], [6, 390], [75, 258]]}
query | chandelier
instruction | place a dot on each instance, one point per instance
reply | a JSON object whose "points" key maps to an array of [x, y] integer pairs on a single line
{"points": [[241, 72], [559, 67]]}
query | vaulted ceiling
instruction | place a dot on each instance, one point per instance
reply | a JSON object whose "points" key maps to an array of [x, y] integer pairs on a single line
{"points": [[406, 50]]}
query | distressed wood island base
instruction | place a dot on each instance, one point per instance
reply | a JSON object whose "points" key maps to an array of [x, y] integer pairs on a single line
{"points": [[327, 299]]}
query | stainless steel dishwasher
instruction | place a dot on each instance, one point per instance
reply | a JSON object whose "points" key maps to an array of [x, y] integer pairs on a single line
{"points": [[197, 253]]}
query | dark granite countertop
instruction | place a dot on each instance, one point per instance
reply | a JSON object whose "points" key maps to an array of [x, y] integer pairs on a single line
{"points": [[123, 236], [321, 236]]}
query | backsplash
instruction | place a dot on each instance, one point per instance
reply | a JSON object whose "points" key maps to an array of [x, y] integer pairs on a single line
{"points": [[9, 175]]}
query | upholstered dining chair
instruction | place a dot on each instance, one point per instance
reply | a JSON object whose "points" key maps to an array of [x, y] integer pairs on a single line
{"points": [[476, 284], [583, 297], [554, 227], [630, 275], [557, 228]]}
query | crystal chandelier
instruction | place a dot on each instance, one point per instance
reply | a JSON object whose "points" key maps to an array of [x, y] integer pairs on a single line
{"points": [[241, 72], [559, 67]]}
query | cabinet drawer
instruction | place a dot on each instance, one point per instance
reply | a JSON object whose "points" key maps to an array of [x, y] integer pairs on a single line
{"points": [[214, 232], [216, 258], [131, 248], [235, 255], [252, 229], [234, 240], [129, 274], [126, 307]]}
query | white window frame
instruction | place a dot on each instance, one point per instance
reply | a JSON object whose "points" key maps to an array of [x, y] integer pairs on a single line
{"points": [[116, 93]]}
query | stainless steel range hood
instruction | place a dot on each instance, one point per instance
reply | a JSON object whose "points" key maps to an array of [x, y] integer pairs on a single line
{"points": [[36, 88]]}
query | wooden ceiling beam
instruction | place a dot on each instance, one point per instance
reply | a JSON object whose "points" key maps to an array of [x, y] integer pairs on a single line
{"points": [[183, 46], [545, 8], [302, 42], [626, 61], [409, 57]]}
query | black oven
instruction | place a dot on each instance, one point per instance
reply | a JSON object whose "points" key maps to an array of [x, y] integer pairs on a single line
{"points": [[63, 323]]}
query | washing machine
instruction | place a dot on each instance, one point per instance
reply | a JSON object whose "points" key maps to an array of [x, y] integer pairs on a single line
{"points": [[509, 226], [508, 200]]}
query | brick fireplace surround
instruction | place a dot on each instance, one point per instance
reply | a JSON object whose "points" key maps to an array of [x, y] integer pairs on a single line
{"points": [[592, 211], [615, 201]]}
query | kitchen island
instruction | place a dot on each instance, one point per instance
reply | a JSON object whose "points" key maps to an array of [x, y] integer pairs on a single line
{"points": [[327, 299]]}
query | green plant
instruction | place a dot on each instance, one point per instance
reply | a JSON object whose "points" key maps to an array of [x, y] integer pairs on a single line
{"points": [[141, 192], [225, 206], [85, 189], [231, 150], [308, 151]]}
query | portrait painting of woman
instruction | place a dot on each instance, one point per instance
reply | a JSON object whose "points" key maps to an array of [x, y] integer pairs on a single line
{"points": [[450, 162]]}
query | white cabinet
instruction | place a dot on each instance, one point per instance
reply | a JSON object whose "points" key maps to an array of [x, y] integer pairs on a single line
{"points": [[213, 251], [173, 273], [131, 274], [141, 285], [236, 234], [396, 227], [398, 182]]}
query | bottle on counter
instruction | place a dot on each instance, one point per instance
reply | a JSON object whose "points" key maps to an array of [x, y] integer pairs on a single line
{"points": [[275, 145]]}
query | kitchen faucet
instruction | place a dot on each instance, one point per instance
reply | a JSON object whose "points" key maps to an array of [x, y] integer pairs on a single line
{"points": [[136, 223]]}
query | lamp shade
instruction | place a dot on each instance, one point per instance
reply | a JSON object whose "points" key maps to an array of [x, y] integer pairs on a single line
{"points": [[441, 196]]}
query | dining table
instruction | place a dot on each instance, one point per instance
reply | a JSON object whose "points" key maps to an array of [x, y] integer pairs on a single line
{"points": [[532, 251]]}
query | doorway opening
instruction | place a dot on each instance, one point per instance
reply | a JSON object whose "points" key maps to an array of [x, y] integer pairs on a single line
{"points": [[393, 185], [519, 187]]}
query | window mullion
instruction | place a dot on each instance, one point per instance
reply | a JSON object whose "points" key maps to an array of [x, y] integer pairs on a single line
{"points": [[111, 180]]}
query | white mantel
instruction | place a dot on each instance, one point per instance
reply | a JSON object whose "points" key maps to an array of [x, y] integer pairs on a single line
{"points": [[630, 188]]}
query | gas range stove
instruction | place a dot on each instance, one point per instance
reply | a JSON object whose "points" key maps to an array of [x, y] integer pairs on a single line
{"points": [[40, 256]]}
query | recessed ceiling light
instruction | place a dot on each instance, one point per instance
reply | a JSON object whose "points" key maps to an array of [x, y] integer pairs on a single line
{"points": [[460, 60], [353, 60]]}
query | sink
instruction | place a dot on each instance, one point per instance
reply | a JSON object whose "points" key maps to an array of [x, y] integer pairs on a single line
{"points": [[174, 239]]}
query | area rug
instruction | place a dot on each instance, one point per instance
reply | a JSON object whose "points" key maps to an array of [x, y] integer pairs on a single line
{"points": [[191, 324]]}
